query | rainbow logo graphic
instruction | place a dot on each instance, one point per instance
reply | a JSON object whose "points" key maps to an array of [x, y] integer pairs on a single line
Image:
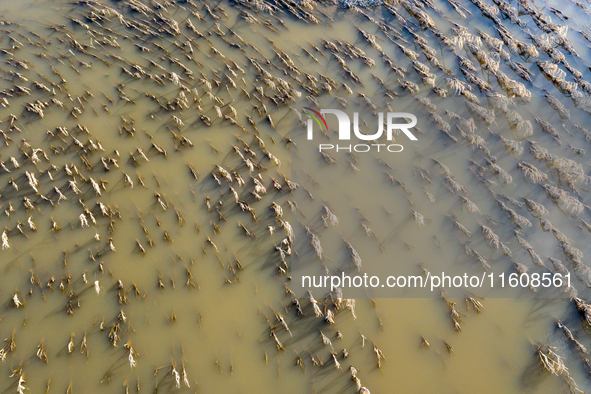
{"points": [[317, 117]]}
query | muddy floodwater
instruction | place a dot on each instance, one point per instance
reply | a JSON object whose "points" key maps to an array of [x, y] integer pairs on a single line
{"points": [[160, 199]]}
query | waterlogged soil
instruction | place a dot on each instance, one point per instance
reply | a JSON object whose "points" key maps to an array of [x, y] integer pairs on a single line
{"points": [[135, 259]]}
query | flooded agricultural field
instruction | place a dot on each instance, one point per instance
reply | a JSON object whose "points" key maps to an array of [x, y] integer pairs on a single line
{"points": [[171, 171]]}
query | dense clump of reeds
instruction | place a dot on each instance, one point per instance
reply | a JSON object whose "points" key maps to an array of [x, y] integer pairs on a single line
{"points": [[532, 173], [454, 185], [315, 242], [477, 141], [330, 217], [559, 235], [546, 225], [582, 272], [478, 257], [490, 237], [314, 303], [499, 101], [557, 105], [486, 115], [537, 151], [535, 258], [510, 200], [280, 92], [506, 250], [461, 227], [516, 122], [513, 216], [41, 353], [469, 205], [556, 75], [419, 218], [446, 171], [354, 256], [5, 244], [474, 303], [572, 254], [350, 305], [561, 198], [584, 310], [513, 88], [562, 270], [569, 335], [553, 363], [513, 147], [16, 301], [277, 209], [522, 269], [288, 229], [535, 208], [503, 175], [368, 231], [20, 388]]}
